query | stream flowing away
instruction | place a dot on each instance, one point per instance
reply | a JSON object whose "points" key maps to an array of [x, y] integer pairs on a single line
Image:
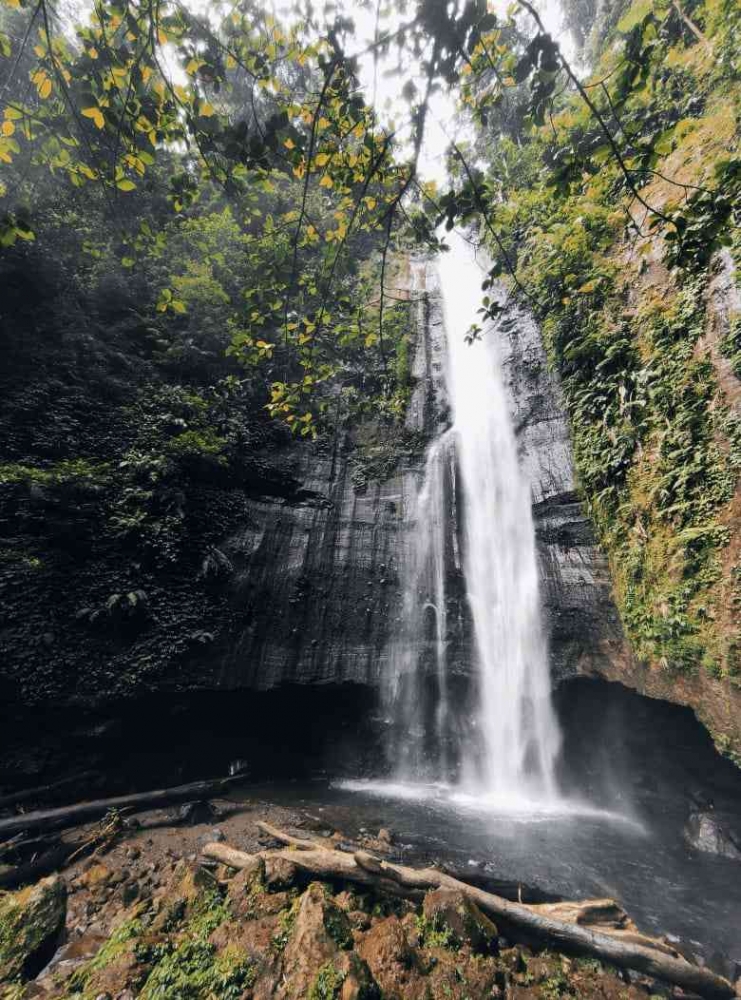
{"points": [[504, 752]]}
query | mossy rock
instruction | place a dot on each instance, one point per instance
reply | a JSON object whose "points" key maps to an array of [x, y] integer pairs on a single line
{"points": [[30, 920], [453, 920]]}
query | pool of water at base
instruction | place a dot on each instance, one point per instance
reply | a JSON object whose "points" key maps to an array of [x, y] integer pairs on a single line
{"points": [[573, 851]]}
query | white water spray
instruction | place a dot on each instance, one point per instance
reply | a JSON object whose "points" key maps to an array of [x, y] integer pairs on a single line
{"points": [[506, 750]]}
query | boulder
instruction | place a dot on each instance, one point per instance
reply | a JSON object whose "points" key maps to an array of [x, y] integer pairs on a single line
{"points": [[243, 889], [188, 881], [195, 813], [450, 912], [317, 950], [96, 876], [714, 833], [390, 958], [247, 878], [356, 978], [280, 874], [30, 922]]}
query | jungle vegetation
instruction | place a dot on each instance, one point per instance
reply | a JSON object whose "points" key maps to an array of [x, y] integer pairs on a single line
{"points": [[202, 218]]}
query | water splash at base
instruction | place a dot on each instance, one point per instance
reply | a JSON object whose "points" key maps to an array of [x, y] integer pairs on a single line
{"points": [[517, 809]]}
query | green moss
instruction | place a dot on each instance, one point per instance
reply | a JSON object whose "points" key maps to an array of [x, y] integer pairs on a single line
{"points": [[19, 559], [182, 967], [73, 470], [635, 15], [28, 919], [434, 933], [555, 986], [198, 443], [121, 941], [194, 971], [731, 346], [337, 926], [327, 984], [645, 413], [286, 920], [207, 912]]}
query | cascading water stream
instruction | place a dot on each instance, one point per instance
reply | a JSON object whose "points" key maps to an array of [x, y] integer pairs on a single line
{"points": [[506, 749], [416, 688], [518, 728]]}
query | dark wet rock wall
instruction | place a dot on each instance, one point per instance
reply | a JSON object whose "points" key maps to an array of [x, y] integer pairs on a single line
{"points": [[316, 582]]}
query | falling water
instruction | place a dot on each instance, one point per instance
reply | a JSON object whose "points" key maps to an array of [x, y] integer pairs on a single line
{"points": [[417, 691], [506, 749]]}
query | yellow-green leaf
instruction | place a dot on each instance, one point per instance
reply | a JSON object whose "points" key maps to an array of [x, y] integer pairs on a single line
{"points": [[96, 115]]}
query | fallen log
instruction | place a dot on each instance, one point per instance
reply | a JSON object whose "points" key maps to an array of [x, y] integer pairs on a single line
{"points": [[22, 845], [606, 944], [14, 798], [10, 845], [83, 812], [300, 843], [50, 861]]}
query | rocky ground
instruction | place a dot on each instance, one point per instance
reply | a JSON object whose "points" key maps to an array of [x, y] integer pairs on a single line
{"points": [[148, 917]]}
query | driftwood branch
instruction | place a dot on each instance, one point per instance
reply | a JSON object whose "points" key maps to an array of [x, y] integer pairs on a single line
{"points": [[564, 926], [84, 812], [300, 843], [42, 791]]}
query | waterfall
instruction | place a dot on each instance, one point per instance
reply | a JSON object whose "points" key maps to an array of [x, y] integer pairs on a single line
{"points": [[416, 687], [505, 747]]}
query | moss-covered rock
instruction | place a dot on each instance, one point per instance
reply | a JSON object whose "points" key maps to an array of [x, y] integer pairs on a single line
{"points": [[318, 936], [454, 920], [30, 920]]}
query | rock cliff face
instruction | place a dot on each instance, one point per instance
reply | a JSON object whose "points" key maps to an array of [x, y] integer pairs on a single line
{"points": [[583, 623], [314, 592], [316, 578], [316, 585]]}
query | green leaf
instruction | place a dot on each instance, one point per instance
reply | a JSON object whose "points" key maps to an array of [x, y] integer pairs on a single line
{"points": [[665, 143]]}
